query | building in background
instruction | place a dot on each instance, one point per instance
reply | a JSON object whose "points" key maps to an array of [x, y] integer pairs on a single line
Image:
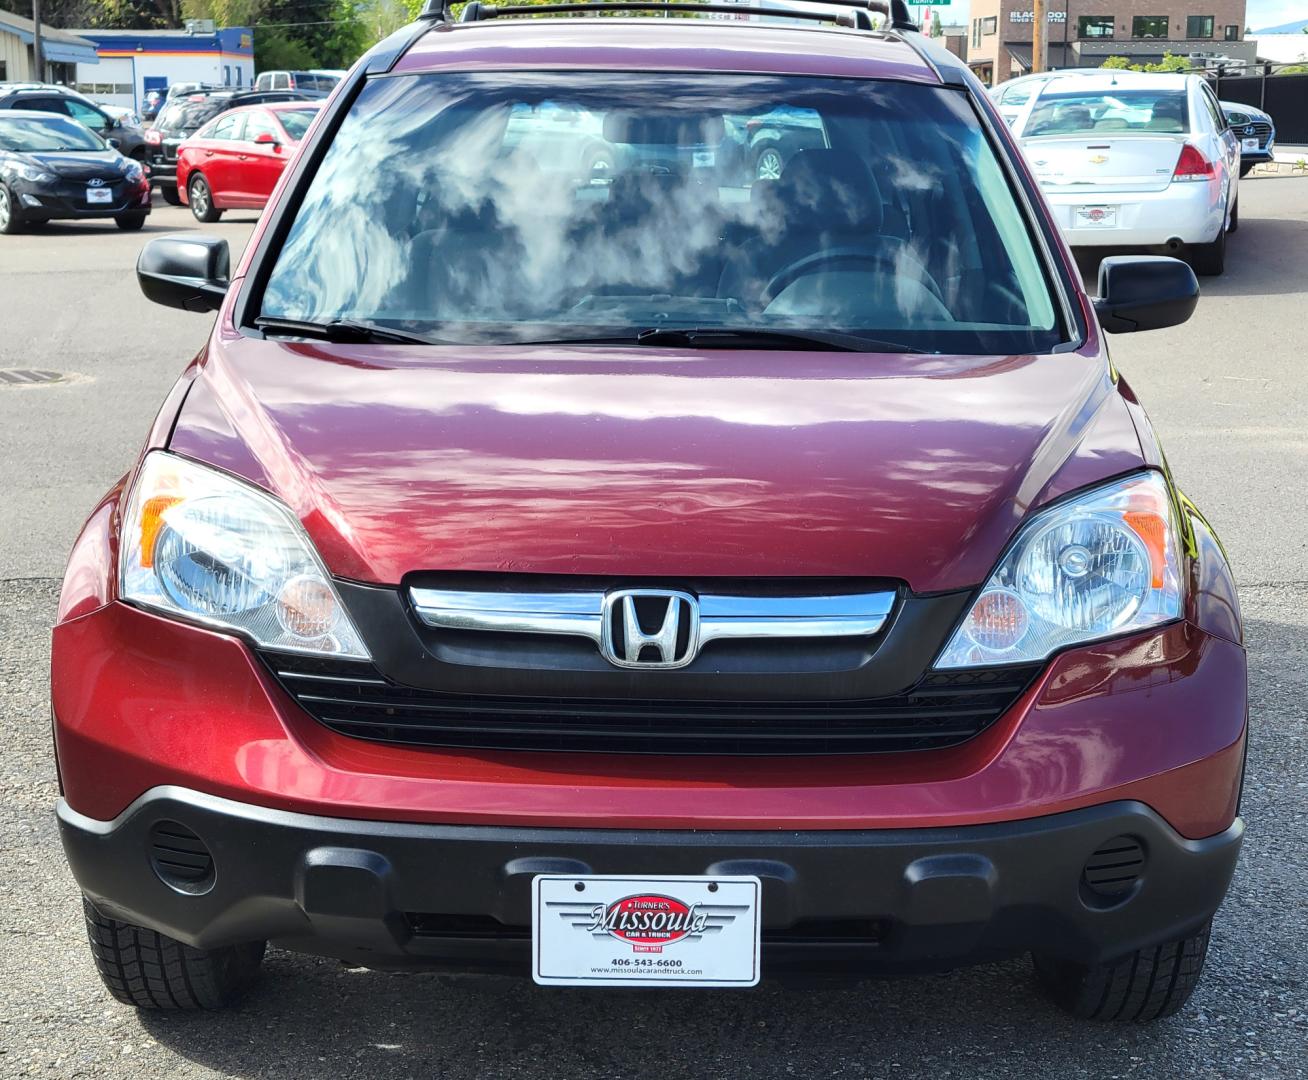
{"points": [[132, 62], [62, 51], [954, 38], [1085, 33]]}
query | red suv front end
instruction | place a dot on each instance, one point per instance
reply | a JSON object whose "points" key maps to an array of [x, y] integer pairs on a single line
{"points": [[399, 643]]}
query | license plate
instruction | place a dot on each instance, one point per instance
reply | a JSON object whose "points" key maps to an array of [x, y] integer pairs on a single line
{"points": [[1096, 217], [99, 195], [1249, 144], [608, 930]]}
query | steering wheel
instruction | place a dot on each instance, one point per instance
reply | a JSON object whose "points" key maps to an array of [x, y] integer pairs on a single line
{"points": [[843, 258]]}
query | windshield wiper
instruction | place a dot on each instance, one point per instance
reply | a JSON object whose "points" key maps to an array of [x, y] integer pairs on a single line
{"points": [[726, 338], [341, 331]]}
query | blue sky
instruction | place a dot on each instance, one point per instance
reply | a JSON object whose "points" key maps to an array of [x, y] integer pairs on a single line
{"points": [[1260, 13]]}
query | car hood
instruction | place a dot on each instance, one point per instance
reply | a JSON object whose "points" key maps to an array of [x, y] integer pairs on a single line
{"points": [[643, 462], [89, 166]]}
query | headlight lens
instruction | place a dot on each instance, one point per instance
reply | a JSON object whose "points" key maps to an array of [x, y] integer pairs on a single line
{"points": [[133, 172], [202, 545], [34, 175], [1099, 565]]}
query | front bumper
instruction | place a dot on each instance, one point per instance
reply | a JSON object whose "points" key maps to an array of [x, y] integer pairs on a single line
{"points": [[458, 897], [1190, 212], [67, 200]]}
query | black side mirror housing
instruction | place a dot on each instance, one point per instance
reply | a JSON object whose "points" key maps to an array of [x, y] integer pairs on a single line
{"points": [[1144, 292], [187, 272]]}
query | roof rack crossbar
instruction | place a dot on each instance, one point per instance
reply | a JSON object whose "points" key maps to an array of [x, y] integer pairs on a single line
{"points": [[476, 11], [896, 11]]}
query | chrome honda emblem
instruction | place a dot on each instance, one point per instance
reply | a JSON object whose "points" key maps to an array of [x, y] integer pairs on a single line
{"points": [[95, 182], [650, 628]]}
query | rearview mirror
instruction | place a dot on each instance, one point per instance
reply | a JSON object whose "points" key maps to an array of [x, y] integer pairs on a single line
{"points": [[187, 272], [1144, 292]]}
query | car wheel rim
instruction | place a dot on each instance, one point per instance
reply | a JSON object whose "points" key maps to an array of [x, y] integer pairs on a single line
{"points": [[769, 166], [4, 209], [199, 199]]}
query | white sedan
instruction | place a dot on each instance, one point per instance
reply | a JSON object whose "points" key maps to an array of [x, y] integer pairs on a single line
{"points": [[1129, 159]]}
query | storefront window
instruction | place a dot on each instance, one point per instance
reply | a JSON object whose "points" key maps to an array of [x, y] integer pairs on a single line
{"points": [[1094, 26], [1199, 26], [1149, 26]]}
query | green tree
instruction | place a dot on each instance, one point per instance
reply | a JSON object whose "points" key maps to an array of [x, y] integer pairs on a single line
{"points": [[274, 51], [1169, 62], [1117, 63]]}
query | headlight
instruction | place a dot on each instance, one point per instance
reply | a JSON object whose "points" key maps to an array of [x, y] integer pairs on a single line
{"points": [[201, 545], [36, 175], [1102, 564], [133, 172]]}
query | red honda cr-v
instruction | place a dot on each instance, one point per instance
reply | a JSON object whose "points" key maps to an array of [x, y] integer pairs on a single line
{"points": [[580, 551]]}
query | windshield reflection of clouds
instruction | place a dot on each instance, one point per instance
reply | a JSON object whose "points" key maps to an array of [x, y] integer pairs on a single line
{"points": [[479, 213]]}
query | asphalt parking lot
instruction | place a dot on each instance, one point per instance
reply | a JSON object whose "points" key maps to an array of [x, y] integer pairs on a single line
{"points": [[1228, 393]]}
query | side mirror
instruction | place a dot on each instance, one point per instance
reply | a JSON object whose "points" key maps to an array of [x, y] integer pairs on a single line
{"points": [[1144, 292], [117, 144], [187, 272], [266, 138]]}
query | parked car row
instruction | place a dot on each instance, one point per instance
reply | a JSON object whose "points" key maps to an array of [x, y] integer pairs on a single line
{"points": [[183, 117], [1132, 159]]}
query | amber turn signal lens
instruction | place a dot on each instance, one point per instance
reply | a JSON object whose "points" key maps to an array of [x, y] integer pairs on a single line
{"points": [[998, 620], [1151, 527], [152, 522]]}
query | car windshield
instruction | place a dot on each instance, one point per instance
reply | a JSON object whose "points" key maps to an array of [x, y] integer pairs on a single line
{"points": [[1120, 111], [30, 135], [190, 115], [594, 207], [296, 121]]}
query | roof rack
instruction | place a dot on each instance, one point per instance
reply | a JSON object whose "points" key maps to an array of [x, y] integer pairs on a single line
{"points": [[475, 10]]}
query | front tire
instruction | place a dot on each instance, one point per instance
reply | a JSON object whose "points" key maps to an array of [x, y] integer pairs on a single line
{"points": [[768, 164], [201, 200], [10, 222], [1149, 984], [1209, 260], [170, 194], [153, 971], [130, 222], [1245, 170]]}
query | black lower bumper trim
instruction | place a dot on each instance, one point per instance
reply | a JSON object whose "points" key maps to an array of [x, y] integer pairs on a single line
{"points": [[457, 897]]}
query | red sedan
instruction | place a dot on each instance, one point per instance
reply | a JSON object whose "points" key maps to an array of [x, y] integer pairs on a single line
{"points": [[236, 159]]}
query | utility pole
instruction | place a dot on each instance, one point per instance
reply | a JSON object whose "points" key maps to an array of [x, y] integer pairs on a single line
{"points": [[1039, 37], [38, 57]]}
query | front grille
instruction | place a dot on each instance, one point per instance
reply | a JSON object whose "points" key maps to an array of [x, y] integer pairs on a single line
{"points": [[1262, 130], [943, 709]]}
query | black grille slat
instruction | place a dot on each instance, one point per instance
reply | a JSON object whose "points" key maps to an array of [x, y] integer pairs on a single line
{"points": [[354, 698]]}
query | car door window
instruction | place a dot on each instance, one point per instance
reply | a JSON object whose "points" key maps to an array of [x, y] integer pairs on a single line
{"points": [[89, 117], [228, 128], [1214, 110], [45, 104], [260, 123]]}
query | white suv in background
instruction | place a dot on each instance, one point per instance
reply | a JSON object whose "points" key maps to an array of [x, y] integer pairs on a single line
{"points": [[1129, 158]]}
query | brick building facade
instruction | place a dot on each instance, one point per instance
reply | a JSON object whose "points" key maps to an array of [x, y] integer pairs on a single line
{"points": [[1084, 33]]}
